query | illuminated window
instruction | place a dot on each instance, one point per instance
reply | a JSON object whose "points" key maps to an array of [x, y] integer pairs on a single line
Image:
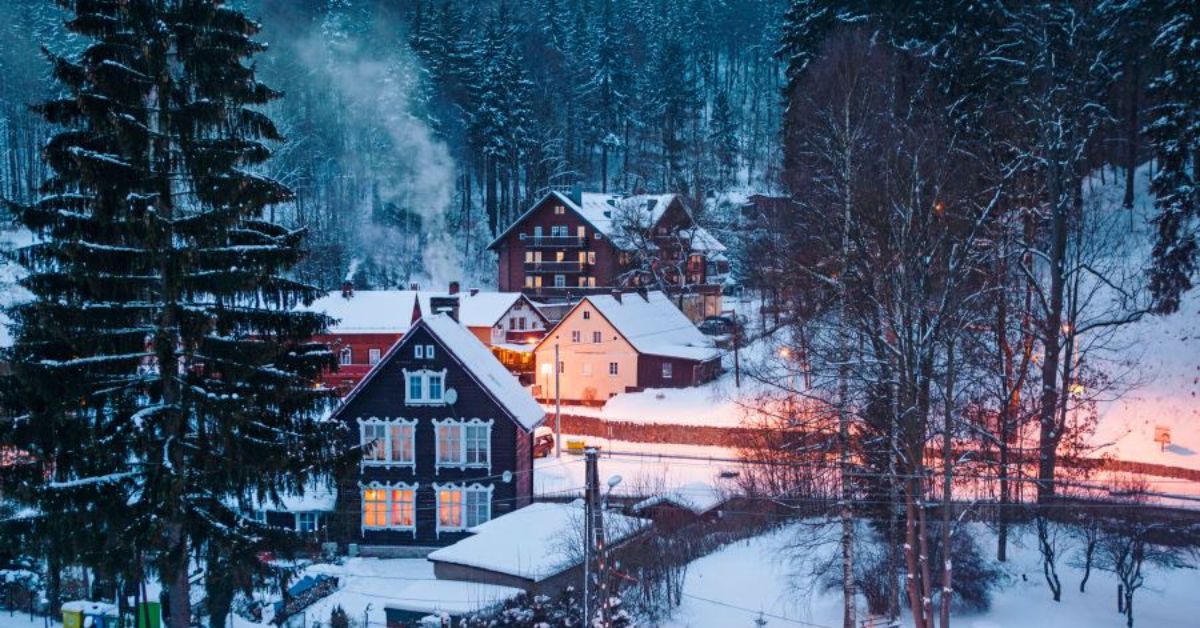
{"points": [[462, 507], [374, 508], [346, 357], [559, 210], [528, 281], [591, 258], [403, 508], [449, 444], [668, 369], [390, 508]]}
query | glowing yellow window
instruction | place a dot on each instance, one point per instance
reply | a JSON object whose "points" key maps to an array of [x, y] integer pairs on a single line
{"points": [[450, 508], [402, 508], [374, 508]]}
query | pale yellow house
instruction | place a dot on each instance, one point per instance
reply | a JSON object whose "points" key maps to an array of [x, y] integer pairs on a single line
{"points": [[615, 343]]}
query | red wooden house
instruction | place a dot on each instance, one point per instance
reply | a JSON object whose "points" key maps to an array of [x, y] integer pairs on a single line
{"points": [[567, 246]]}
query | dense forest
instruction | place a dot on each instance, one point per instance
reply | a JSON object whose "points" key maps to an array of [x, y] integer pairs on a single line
{"points": [[414, 129]]}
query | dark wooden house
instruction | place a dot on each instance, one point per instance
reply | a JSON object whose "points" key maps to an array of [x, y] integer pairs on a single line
{"points": [[446, 434]]}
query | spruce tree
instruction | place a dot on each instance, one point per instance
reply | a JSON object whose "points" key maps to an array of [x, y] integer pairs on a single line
{"points": [[163, 370], [1174, 137]]}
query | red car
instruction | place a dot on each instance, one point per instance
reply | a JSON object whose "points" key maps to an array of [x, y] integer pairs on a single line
{"points": [[543, 442]]}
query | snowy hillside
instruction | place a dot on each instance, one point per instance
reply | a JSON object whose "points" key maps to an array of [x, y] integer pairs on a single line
{"points": [[1161, 355]]}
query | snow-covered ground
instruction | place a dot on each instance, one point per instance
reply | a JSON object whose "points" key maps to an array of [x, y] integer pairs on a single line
{"points": [[641, 466], [732, 586]]}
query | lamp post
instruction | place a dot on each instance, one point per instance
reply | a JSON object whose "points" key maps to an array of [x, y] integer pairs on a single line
{"points": [[557, 406]]}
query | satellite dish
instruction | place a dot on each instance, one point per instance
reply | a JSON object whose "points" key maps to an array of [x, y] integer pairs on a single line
{"points": [[451, 396], [507, 477]]}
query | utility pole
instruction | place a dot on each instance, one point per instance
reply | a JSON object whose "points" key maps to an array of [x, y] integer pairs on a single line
{"points": [[557, 406], [594, 549], [737, 341]]}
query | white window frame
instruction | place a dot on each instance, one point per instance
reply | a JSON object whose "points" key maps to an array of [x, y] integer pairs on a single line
{"points": [[460, 461], [258, 515], [426, 376], [373, 356], [560, 281], [346, 356], [428, 352], [463, 489], [316, 521], [389, 425], [388, 505], [668, 370], [419, 352]]}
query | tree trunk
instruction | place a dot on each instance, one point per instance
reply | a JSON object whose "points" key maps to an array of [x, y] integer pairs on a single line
{"points": [[947, 490], [1052, 333], [1131, 141]]}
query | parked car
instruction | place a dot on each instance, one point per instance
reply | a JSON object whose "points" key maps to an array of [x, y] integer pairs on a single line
{"points": [[718, 326], [543, 442]]}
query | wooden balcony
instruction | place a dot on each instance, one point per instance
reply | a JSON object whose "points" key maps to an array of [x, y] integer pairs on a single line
{"points": [[556, 267], [554, 242]]}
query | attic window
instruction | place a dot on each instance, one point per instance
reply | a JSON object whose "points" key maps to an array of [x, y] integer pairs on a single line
{"points": [[587, 315], [559, 210], [424, 387]]}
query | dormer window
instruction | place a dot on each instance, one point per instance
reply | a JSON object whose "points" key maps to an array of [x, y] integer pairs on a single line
{"points": [[424, 387]]}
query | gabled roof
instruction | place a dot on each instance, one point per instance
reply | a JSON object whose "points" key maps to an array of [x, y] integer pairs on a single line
{"points": [[652, 324], [598, 210], [533, 543], [475, 359], [696, 497]]}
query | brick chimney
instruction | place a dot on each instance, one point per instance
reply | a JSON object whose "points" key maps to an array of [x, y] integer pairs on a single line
{"points": [[453, 287], [347, 289]]}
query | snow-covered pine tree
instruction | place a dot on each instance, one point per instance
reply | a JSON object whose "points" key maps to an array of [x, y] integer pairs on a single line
{"points": [[164, 373], [608, 89], [1174, 137], [723, 137]]}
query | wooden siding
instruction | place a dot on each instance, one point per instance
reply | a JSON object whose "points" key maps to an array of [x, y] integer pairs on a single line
{"points": [[383, 397], [512, 249]]}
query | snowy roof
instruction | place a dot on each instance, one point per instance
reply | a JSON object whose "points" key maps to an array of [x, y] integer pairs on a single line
{"points": [[599, 209], [479, 361], [697, 497], [654, 326], [450, 596], [390, 311], [535, 542], [482, 309], [368, 311]]}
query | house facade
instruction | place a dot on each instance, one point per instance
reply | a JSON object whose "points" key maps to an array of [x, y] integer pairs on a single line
{"points": [[623, 342], [446, 439], [565, 247]]}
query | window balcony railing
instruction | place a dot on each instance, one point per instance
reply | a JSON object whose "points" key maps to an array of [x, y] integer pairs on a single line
{"points": [[554, 242]]}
